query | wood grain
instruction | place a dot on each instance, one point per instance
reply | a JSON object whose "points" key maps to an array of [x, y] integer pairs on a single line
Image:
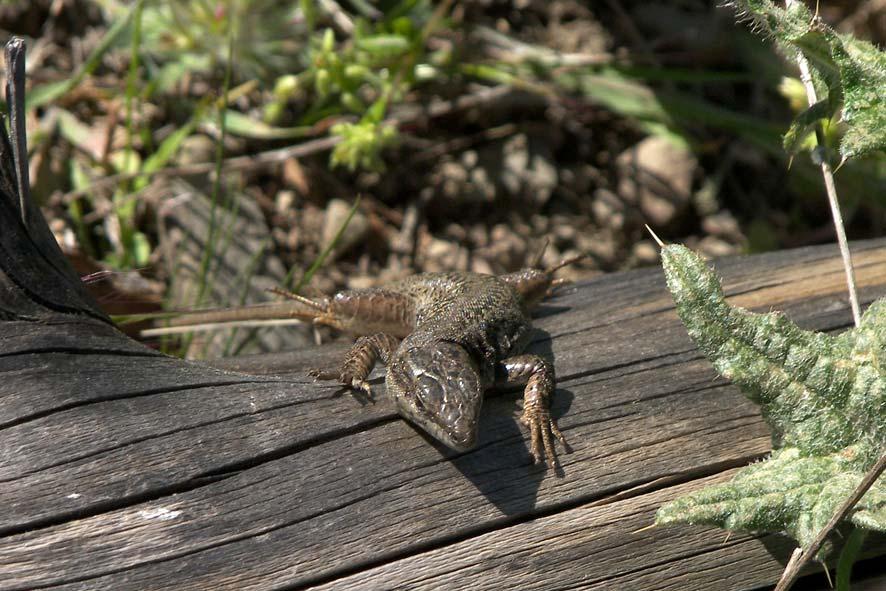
{"points": [[125, 469]]}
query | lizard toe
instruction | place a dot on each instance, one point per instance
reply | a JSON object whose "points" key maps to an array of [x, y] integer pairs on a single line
{"points": [[536, 435], [543, 430], [548, 437]]}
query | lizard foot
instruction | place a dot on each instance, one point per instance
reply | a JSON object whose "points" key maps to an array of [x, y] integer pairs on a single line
{"points": [[542, 430], [358, 384]]}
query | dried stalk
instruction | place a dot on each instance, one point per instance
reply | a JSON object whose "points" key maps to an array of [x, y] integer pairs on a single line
{"points": [[799, 558], [828, 175]]}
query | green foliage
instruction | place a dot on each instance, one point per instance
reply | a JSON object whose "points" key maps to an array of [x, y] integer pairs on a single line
{"points": [[193, 35], [325, 75], [823, 396], [851, 72], [360, 68], [677, 114], [848, 555], [361, 144], [48, 93]]}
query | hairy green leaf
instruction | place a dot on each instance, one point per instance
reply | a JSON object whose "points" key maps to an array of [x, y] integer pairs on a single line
{"points": [[823, 396]]}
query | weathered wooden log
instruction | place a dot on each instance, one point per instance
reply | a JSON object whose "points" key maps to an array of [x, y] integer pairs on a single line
{"points": [[121, 468]]}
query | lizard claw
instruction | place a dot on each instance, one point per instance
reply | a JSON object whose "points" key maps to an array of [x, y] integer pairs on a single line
{"points": [[358, 384], [542, 430]]}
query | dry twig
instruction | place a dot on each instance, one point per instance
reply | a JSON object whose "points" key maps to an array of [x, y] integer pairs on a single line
{"points": [[830, 187]]}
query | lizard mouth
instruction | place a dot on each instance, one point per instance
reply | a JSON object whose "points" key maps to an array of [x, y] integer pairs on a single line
{"points": [[438, 388]]}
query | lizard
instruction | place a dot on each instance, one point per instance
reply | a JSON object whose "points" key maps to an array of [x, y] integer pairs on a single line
{"points": [[445, 339]]}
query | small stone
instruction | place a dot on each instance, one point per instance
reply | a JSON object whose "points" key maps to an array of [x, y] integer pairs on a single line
{"points": [[294, 176], [469, 158], [479, 265], [608, 209], [645, 253], [284, 202], [515, 160], [601, 245], [565, 231], [527, 169], [723, 225], [360, 282], [480, 186], [715, 247], [440, 255], [336, 213], [478, 235], [195, 149], [657, 175], [455, 232], [506, 247]]}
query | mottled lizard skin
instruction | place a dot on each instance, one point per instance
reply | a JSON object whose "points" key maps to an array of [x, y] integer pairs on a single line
{"points": [[461, 333]]}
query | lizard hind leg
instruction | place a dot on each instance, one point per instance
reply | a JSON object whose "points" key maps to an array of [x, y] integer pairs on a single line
{"points": [[534, 285], [538, 373], [360, 360]]}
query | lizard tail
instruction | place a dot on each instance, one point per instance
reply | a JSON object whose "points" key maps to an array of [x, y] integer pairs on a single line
{"points": [[264, 314]]}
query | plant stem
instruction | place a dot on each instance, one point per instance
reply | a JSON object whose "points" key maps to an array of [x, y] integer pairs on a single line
{"points": [[831, 189]]}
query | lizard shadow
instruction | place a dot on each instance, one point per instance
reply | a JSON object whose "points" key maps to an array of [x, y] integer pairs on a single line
{"points": [[500, 465]]}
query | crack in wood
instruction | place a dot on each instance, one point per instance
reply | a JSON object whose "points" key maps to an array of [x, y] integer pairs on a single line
{"points": [[128, 396]]}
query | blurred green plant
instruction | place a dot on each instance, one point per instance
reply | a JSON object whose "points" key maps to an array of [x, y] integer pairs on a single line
{"points": [[362, 143], [313, 73], [192, 36], [849, 72]]}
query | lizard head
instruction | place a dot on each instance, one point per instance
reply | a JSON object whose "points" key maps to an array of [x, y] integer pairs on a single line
{"points": [[437, 386]]}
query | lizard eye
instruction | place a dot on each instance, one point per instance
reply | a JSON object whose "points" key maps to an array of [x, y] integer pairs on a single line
{"points": [[430, 393]]}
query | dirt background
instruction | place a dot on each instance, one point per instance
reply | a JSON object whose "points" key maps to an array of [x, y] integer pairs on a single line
{"points": [[482, 183]]}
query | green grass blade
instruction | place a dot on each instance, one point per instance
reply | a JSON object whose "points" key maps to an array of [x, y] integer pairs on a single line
{"points": [[47, 93], [321, 258], [242, 125], [209, 250], [848, 555]]}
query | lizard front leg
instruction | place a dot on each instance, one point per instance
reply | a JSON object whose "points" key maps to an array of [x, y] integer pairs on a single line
{"points": [[538, 373], [360, 360]]}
